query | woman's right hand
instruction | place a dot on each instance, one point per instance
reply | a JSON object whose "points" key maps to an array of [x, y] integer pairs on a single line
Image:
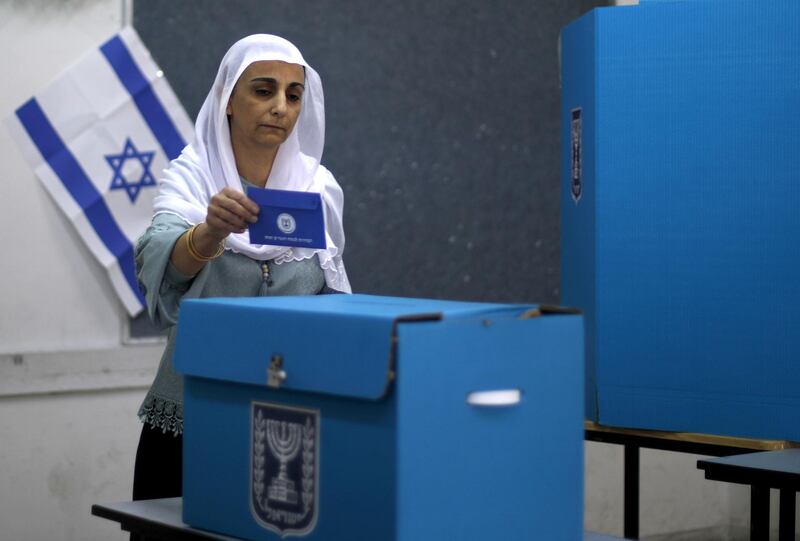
{"points": [[229, 212]]}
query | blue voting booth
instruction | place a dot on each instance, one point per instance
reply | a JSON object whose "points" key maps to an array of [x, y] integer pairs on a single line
{"points": [[680, 213], [364, 418]]}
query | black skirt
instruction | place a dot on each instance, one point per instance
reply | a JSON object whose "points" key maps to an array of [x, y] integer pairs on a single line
{"points": [[159, 464]]}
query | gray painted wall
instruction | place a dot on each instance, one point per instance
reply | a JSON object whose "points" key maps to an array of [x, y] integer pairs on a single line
{"points": [[442, 128]]}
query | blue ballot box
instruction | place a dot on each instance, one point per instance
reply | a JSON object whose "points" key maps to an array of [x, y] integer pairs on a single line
{"points": [[680, 213], [375, 418]]}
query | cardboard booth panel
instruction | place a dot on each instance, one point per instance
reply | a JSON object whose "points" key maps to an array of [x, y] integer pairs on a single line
{"points": [[495, 473], [680, 246], [379, 428]]}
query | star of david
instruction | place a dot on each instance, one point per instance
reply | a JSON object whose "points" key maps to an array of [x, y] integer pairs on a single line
{"points": [[117, 162]]}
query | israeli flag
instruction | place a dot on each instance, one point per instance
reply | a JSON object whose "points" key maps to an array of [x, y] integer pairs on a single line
{"points": [[98, 137]]}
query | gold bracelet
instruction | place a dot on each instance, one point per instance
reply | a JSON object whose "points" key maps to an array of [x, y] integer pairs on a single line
{"points": [[195, 254]]}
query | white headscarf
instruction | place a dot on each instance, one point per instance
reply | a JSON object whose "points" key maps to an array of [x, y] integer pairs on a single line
{"points": [[207, 165]]}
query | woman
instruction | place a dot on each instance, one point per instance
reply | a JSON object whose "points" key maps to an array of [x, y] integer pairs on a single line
{"points": [[261, 125]]}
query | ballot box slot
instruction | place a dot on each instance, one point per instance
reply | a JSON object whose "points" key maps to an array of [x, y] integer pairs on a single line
{"points": [[391, 374], [548, 310]]}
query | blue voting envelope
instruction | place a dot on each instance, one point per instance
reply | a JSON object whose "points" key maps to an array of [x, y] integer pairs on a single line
{"points": [[288, 218]]}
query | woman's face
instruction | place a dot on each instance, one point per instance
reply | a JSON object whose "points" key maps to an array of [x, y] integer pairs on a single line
{"points": [[265, 103]]}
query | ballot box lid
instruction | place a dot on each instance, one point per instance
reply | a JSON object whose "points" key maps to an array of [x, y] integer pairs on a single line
{"points": [[334, 344]]}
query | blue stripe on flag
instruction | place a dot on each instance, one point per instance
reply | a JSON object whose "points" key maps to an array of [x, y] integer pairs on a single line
{"points": [[74, 179], [142, 93]]}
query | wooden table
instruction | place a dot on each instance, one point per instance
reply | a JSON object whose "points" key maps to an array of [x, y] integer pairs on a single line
{"points": [[762, 471], [684, 442]]}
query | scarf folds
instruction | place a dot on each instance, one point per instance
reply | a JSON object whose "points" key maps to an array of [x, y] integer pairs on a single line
{"points": [[207, 165]]}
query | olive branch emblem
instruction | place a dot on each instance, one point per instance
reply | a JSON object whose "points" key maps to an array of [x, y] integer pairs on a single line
{"points": [[259, 435]]}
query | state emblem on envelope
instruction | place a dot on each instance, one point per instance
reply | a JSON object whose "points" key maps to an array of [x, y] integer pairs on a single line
{"points": [[285, 468]]}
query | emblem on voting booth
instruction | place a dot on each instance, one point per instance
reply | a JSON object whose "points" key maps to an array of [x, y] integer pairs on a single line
{"points": [[576, 134], [285, 468]]}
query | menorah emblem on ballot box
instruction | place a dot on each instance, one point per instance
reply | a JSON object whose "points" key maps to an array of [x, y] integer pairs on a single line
{"points": [[284, 442], [285, 451]]}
